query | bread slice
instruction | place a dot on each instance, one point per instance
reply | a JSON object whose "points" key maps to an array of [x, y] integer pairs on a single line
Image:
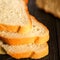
{"points": [[39, 30], [38, 34], [40, 53], [26, 51], [14, 16]]}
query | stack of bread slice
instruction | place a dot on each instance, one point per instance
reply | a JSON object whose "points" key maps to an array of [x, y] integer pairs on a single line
{"points": [[21, 35]]}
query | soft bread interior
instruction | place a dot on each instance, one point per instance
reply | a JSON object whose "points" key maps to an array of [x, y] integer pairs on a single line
{"points": [[13, 12], [25, 51], [38, 29], [39, 34]]}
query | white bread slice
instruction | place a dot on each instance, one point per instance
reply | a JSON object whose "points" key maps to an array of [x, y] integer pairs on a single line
{"points": [[39, 30], [38, 34], [25, 51], [14, 16]]}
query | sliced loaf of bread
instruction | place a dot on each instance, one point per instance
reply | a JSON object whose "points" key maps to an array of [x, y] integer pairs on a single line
{"points": [[38, 34], [33, 51], [14, 16]]}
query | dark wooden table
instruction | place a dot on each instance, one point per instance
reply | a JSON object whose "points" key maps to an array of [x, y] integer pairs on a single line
{"points": [[53, 24]]}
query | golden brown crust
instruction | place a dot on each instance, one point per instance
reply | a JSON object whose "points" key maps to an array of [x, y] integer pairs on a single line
{"points": [[25, 29], [20, 55], [40, 54], [18, 41], [17, 29], [42, 40], [26, 1], [8, 28]]}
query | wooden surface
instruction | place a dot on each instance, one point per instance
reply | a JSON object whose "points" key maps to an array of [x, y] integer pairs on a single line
{"points": [[53, 25]]}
